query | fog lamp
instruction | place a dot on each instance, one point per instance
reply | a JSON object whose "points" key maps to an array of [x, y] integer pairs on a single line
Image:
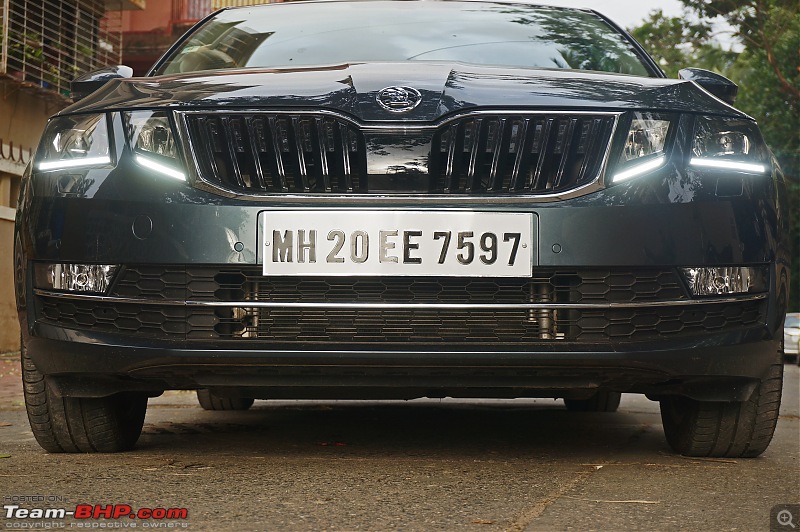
{"points": [[725, 280], [92, 278]]}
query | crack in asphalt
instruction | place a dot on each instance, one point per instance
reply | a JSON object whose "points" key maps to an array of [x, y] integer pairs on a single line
{"points": [[527, 518]]}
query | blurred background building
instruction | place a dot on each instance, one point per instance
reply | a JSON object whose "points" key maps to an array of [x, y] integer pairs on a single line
{"points": [[44, 44]]}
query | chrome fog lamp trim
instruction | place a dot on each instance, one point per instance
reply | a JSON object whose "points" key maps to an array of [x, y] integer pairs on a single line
{"points": [[84, 278], [721, 280]]}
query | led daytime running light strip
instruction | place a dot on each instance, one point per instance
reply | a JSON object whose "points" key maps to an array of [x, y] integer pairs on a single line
{"points": [[639, 169], [158, 167], [728, 165], [73, 163]]}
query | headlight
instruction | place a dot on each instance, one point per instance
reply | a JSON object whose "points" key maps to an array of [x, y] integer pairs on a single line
{"points": [[725, 144], [153, 143], [645, 146], [85, 141], [74, 142]]}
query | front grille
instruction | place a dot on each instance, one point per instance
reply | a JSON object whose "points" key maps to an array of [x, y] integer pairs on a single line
{"points": [[400, 328], [167, 322], [161, 291], [225, 283], [266, 153], [482, 327], [534, 154], [278, 153]]}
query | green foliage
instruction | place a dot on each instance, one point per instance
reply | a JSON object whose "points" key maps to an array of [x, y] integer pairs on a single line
{"points": [[673, 42]]}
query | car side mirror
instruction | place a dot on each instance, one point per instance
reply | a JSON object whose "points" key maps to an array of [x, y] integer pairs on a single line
{"points": [[718, 85], [84, 85]]}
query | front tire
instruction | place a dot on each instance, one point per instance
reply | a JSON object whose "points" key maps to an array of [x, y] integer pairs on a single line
{"points": [[725, 429], [209, 401], [76, 424]]}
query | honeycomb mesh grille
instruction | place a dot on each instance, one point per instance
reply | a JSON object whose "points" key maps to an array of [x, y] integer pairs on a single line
{"points": [[547, 284], [166, 287], [403, 327]]}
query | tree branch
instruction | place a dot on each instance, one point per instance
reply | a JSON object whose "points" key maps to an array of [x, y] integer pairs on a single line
{"points": [[786, 85]]}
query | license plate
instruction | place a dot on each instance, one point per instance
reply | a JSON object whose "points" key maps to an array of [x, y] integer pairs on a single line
{"points": [[407, 243]]}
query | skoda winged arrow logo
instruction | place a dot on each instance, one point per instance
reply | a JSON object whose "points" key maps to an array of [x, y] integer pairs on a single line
{"points": [[399, 99]]}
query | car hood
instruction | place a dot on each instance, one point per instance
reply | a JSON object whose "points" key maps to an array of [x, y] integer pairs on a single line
{"points": [[445, 88]]}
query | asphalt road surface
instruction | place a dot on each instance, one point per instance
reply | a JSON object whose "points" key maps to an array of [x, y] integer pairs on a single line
{"points": [[419, 465]]}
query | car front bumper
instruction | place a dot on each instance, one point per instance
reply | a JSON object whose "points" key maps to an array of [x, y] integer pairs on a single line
{"points": [[712, 349], [715, 367]]}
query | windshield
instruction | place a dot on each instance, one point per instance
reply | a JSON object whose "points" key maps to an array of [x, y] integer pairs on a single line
{"points": [[792, 322], [282, 35]]}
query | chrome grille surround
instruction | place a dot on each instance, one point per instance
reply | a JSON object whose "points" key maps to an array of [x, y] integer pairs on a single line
{"points": [[567, 128]]}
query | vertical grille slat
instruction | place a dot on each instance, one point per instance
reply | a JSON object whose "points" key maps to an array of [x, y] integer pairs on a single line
{"points": [[300, 153], [567, 143], [257, 150], [521, 150], [232, 158], [346, 168], [323, 155], [277, 155], [498, 148], [594, 131], [207, 148], [479, 153], [473, 154], [536, 176], [452, 133]]}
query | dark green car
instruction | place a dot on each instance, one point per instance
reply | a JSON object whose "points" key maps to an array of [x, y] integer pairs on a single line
{"points": [[397, 200]]}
